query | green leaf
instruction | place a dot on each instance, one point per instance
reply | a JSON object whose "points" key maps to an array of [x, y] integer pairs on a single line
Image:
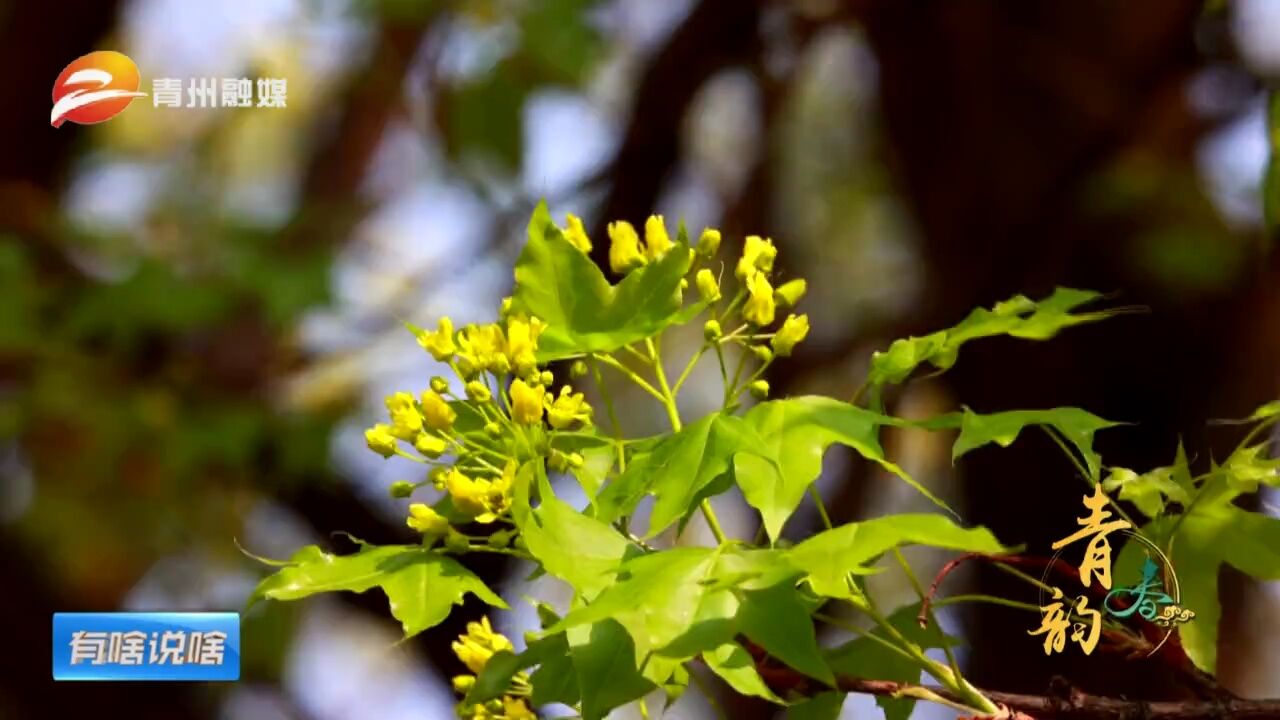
{"points": [[825, 706], [830, 556], [1076, 425], [1018, 316], [1208, 537], [584, 313], [422, 586], [736, 667], [1266, 412], [483, 116], [495, 679], [657, 597], [778, 620], [678, 469], [796, 433], [580, 550], [868, 659], [603, 657]]}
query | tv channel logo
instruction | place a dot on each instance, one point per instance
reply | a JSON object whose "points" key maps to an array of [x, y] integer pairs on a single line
{"points": [[146, 646]]}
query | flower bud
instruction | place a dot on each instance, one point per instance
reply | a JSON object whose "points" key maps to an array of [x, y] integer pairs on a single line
{"points": [[493, 429], [577, 369], [711, 331], [478, 391], [708, 242], [462, 684], [436, 411], [558, 461], [439, 385], [504, 308], [762, 353], [790, 292], [456, 542], [546, 378], [759, 389], [576, 460], [501, 538], [437, 476], [401, 489], [708, 287]]}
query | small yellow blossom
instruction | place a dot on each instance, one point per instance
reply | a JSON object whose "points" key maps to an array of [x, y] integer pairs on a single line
{"points": [[469, 495], [482, 348], [624, 248], [426, 520], [436, 411], [406, 420], [656, 240], [793, 331], [708, 242], [759, 308], [522, 342], [567, 408], [514, 708], [757, 254], [439, 343], [430, 444], [479, 644], [708, 288], [381, 440], [576, 234], [526, 402]]}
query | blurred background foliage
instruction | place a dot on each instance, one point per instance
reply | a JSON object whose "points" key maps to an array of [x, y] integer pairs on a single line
{"points": [[201, 309]]}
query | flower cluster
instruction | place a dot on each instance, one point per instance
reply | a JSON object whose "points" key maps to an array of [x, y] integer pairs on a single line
{"points": [[474, 649], [504, 416]]}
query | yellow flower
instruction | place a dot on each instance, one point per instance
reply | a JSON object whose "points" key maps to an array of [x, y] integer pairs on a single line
{"points": [[759, 308], [709, 242], [624, 248], [381, 440], [514, 708], [436, 410], [472, 654], [708, 288], [526, 402], [576, 234], [499, 491], [469, 495], [426, 520], [757, 254], [567, 408], [479, 644], [439, 343], [793, 331], [406, 421], [656, 240], [482, 348], [522, 342], [429, 444]]}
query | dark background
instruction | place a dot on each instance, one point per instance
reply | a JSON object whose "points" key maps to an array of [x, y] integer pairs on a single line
{"points": [[199, 309]]}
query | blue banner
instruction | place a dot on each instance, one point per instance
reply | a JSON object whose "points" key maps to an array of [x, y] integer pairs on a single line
{"points": [[146, 646]]}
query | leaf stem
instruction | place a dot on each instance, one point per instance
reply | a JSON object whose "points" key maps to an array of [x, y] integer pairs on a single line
{"points": [[631, 375], [673, 414], [822, 508]]}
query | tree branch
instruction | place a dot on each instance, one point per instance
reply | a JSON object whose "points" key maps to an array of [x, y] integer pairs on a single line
{"points": [[1072, 704]]}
